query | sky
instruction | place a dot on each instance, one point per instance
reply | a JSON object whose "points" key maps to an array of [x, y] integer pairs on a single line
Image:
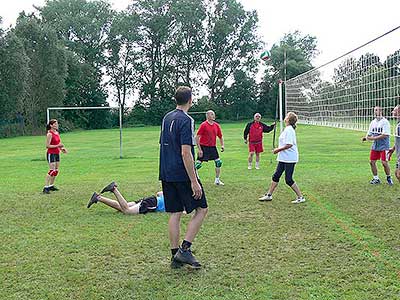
{"points": [[339, 25]]}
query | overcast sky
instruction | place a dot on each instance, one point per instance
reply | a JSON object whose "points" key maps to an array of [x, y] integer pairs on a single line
{"points": [[339, 25]]}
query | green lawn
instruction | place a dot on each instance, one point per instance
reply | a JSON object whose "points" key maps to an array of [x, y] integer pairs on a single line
{"points": [[343, 243]]}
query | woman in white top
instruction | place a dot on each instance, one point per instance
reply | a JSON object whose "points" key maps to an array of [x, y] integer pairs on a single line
{"points": [[288, 156]]}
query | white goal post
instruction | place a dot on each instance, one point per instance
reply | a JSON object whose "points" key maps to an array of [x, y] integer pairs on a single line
{"points": [[343, 92], [93, 108], [102, 108]]}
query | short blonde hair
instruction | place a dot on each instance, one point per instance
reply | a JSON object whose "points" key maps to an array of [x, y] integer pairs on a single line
{"points": [[292, 119]]}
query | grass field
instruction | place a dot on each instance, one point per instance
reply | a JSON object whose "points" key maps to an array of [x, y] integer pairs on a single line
{"points": [[343, 243]]}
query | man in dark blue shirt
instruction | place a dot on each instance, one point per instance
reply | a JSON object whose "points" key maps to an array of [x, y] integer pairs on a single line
{"points": [[180, 183]]}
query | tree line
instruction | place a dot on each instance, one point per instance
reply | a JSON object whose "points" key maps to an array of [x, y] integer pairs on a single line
{"points": [[84, 53]]}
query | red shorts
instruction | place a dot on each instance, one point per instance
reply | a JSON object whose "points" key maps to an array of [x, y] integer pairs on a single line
{"points": [[257, 148], [379, 155]]}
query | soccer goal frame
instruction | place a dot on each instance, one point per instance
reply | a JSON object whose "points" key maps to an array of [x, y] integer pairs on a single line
{"points": [[93, 108]]}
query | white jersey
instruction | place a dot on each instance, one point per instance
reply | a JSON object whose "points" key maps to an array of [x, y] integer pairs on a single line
{"points": [[378, 127], [291, 155]]}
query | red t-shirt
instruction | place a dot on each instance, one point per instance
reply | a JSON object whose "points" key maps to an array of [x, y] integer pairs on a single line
{"points": [[209, 133], [55, 140], [256, 133]]}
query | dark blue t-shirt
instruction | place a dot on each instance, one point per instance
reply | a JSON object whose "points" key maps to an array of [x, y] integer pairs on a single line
{"points": [[177, 129]]}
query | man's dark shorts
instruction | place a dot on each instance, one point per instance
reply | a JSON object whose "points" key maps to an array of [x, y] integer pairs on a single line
{"points": [[178, 197], [209, 153], [148, 204]]}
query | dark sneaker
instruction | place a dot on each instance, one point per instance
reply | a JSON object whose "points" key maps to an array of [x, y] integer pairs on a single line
{"points": [[389, 181], [175, 264], [109, 188], [186, 257], [375, 181], [93, 199], [53, 188], [46, 191]]}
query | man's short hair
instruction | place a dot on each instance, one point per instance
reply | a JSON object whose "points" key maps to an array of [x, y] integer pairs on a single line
{"points": [[183, 94]]}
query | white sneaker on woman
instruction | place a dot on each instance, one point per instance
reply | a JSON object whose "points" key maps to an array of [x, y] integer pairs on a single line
{"points": [[299, 200]]}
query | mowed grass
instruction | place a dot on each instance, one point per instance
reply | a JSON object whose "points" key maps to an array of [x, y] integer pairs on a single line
{"points": [[343, 243]]}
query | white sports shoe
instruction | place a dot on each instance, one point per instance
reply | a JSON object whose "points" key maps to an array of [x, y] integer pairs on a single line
{"points": [[299, 200], [266, 197], [257, 167], [218, 182], [249, 167]]}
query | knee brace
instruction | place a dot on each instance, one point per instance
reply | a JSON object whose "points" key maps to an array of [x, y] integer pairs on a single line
{"points": [[53, 173], [197, 165], [218, 163]]}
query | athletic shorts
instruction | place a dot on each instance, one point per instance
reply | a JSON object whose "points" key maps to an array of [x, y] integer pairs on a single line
{"points": [[148, 204], [178, 197], [52, 157], [379, 155], [257, 148], [209, 153]]}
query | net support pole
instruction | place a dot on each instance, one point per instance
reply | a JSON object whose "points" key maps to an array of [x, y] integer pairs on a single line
{"points": [[280, 106], [48, 116], [120, 131]]}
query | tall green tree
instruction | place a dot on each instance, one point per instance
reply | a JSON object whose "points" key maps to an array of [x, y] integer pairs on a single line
{"points": [[14, 75], [231, 43], [123, 54], [47, 68], [290, 57]]}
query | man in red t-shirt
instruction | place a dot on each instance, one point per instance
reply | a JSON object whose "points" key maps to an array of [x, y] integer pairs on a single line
{"points": [[253, 135], [206, 140]]}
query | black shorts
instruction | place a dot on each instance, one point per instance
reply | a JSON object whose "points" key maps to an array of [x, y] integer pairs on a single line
{"points": [[52, 157], [178, 197], [148, 204], [209, 153]]}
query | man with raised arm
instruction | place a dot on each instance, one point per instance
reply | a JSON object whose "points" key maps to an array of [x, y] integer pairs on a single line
{"points": [[253, 136], [180, 184]]}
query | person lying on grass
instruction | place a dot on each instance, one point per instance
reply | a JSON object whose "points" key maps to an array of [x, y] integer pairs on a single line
{"points": [[154, 203]]}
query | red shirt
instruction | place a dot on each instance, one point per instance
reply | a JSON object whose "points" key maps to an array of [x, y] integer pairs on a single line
{"points": [[209, 133], [256, 133], [55, 140]]}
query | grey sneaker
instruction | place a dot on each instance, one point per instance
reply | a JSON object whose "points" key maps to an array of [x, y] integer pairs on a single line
{"points": [[266, 197], [109, 188], [175, 264], [375, 181], [94, 199], [186, 257]]}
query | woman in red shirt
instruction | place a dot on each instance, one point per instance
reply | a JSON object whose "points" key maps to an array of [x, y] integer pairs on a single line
{"points": [[54, 146]]}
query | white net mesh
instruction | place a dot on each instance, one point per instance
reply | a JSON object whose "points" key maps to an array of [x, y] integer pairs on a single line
{"points": [[343, 92]]}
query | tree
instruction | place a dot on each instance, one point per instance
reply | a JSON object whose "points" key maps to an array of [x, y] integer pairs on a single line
{"points": [[241, 96], [14, 74], [47, 68], [231, 43], [123, 54], [299, 50]]}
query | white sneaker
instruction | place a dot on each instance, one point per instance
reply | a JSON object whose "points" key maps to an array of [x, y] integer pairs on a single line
{"points": [[266, 197], [257, 167], [299, 200], [218, 182], [249, 167]]}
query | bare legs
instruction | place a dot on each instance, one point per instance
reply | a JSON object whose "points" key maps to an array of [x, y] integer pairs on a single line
{"points": [[121, 204], [192, 229]]}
